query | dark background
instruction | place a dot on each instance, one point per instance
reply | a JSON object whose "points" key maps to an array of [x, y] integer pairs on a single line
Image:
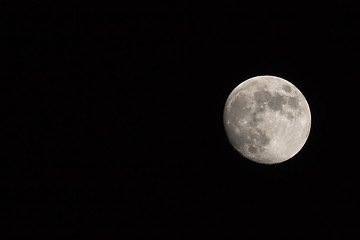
{"points": [[112, 123]]}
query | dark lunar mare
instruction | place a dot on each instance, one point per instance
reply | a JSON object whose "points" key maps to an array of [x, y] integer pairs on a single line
{"points": [[262, 97], [276, 102], [293, 102], [286, 88]]}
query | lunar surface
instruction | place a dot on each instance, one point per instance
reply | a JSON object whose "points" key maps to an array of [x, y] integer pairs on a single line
{"points": [[267, 119]]}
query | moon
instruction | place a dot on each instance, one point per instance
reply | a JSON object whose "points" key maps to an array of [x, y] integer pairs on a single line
{"points": [[267, 119]]}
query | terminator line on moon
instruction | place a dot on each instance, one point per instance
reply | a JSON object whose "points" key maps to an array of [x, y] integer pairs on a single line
{"points": [[267, 119]]}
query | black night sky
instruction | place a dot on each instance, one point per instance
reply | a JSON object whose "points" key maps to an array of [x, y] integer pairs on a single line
{"points": [[112, 123]]}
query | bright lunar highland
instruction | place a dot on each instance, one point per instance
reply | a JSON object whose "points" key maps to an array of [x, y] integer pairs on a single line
{"points": [[267, 119]]}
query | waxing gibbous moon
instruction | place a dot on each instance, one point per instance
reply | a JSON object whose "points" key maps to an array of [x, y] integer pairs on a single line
{"points": [[267, 119]]}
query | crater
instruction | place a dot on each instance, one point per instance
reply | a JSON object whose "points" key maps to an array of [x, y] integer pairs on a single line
{"points": [[286, 88]]}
